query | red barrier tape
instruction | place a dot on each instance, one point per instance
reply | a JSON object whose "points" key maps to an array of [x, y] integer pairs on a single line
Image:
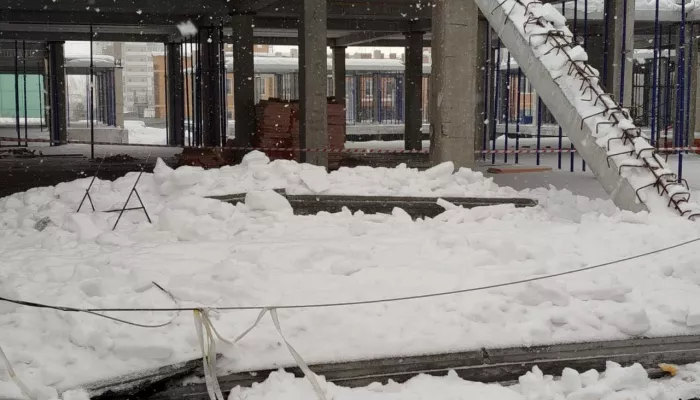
{"points": [[333, 151]]}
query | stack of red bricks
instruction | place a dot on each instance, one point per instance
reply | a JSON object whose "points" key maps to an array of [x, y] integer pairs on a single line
{"points": [[336, 132], [276, 123], [278, 127]]}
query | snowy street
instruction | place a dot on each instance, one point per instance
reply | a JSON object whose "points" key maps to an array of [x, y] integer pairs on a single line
{"points": [[208, 254]]}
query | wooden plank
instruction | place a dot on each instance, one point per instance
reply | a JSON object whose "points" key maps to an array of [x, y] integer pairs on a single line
{"points": [[416, 207], [516, 170], [143, 381], [493, 365]]}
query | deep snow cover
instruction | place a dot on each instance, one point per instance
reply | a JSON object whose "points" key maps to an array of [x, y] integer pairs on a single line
{"points": [[208, 253]]}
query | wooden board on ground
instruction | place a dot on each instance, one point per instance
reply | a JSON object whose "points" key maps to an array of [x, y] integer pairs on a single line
{"points": [[516, 169], [416, 207], [143, 383], [483, 365]]}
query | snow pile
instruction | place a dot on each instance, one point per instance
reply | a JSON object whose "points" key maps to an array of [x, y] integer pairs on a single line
{"points": [[258, 173], [615, 383], [139, 133], [207, 253]]}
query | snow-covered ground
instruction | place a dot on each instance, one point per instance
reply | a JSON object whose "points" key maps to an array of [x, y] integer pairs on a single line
{"points": [[139, 133], [12, 121], [208, 253], [615, 383]]}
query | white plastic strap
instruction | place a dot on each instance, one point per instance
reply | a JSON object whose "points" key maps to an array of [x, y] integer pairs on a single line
{"points": [[203, 323], [257, 321], [208, 347], [22, 387], [297, 357]]}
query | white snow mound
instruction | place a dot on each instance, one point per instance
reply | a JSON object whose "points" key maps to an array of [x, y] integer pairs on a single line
{"points": [[207, 253]]}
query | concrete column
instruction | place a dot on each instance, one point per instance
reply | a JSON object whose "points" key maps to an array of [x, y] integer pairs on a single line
{"points": [[174, 92], [596, 50], [619, 66], [57, 92], [695, 105], [481, 111], [482, 56], [212, 107], [413, 99], [694, 81], [455, 73], [313, 83], [118, 86], [339, 74], [243, 79]]}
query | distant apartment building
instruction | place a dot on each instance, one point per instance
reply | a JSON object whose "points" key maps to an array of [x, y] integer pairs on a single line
{"points": [[136, 60], [263, 84], [370, 77]]}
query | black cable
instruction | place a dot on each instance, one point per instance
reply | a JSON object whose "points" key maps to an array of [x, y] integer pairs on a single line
{"points": [[95, 311]]}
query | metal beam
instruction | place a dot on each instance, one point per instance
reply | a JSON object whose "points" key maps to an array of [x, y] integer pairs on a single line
{"points": [[335, 24], [247, 6], [396, 43], [361, 37], [72, 36], [97, 19], [62, 32], [135, 32], [277, 41], [112, 6], [399, 11]]}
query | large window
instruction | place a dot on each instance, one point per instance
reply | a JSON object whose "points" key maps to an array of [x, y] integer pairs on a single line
{"points": [[368, 86]]}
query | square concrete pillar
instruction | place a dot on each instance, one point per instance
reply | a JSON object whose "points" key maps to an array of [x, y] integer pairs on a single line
{"points": [[618, 71], [694, 104], [175, 94], [57, 92], [243, 79], [413, 99], [339, 72], [482, 57], [118, 86], [455, 75], [212, 107], [313, 81]]}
